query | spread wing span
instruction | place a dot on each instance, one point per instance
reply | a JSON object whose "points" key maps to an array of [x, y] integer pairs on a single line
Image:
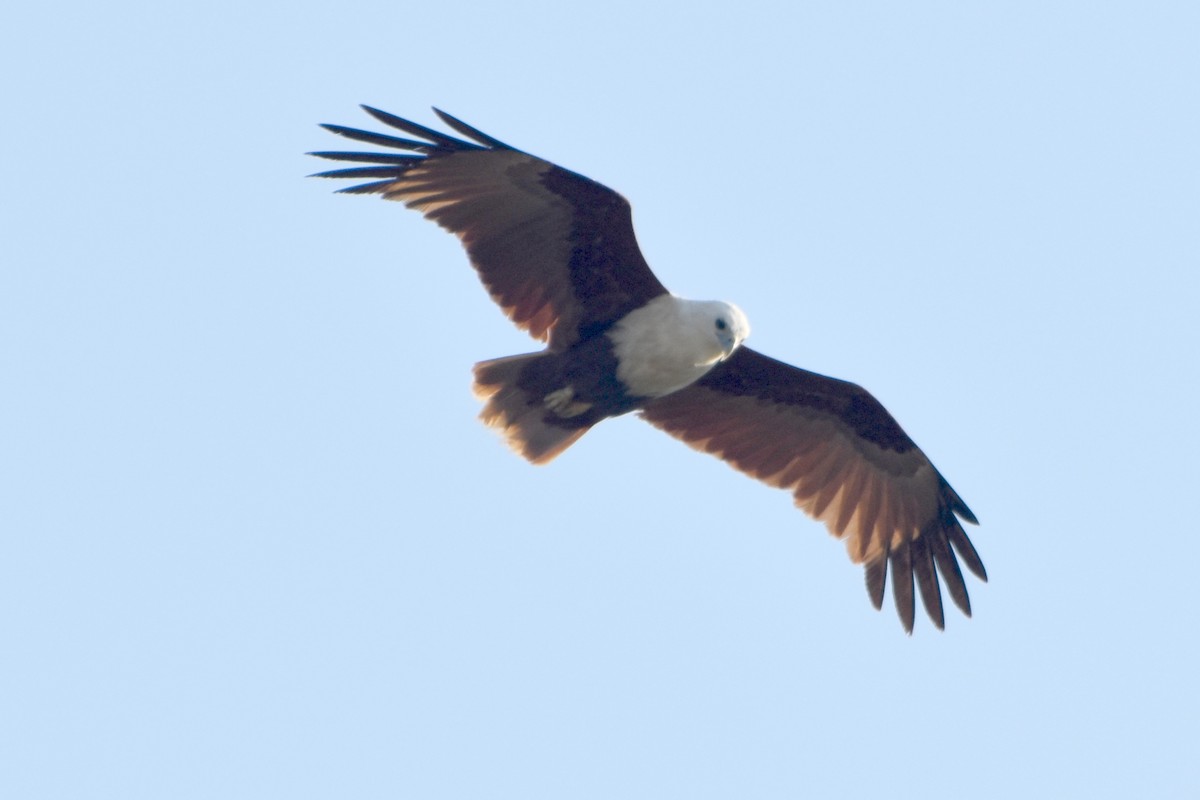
{"points": [[846, 462], [555, 250]]}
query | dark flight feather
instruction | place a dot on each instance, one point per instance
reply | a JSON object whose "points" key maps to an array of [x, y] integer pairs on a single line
{"points": [[556, 250], [851, 466]]}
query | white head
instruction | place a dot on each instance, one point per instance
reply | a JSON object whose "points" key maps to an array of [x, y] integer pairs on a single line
{"points": [[670, 342], [723, 324]]}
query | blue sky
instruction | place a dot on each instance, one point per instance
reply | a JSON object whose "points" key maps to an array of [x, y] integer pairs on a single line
{"points": [[253, 542]]}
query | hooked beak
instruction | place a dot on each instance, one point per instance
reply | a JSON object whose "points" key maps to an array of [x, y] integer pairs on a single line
{"points": [[728, 344]]}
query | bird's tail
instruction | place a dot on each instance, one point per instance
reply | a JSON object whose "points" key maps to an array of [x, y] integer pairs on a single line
{"points": [[520, 414]]}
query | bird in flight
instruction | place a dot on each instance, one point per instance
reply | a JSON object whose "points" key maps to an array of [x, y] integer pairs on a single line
{"points": [[557, 252]]}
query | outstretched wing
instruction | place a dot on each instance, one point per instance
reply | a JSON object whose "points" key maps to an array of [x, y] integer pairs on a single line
{"points": [[555, 250], [845, 460]]}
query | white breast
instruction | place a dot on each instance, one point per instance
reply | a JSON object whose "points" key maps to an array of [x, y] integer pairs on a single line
{"points": [[665, 345]]}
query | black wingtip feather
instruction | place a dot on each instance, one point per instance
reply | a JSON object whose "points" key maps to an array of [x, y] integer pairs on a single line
{"points": [[961, 509], [966, 551], [927, 581], [367, 158], [902, 585], [947, 565], [956, 503], [471, 132], [435, 137], [360, 172], [377, 187], [876, 574], [383, 140]]}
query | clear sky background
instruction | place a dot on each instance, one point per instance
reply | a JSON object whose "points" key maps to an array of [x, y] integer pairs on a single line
{"points": [[256, 545]]}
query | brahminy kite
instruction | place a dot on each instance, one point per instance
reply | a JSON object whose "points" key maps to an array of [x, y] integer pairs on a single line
{"points": [[557, 252]]}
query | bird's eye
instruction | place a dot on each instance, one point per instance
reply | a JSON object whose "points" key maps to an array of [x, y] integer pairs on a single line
{"points": [[721, 325]]}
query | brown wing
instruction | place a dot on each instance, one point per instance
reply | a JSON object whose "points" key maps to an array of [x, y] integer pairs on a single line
{"points": [[555, 250], [847, 463]]}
